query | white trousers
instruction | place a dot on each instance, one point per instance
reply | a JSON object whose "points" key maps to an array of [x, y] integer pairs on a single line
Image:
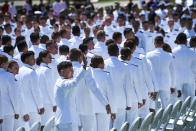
{"points": [[34, 117], [8, 123], [67, 127], [47, 114], [21, 123], [165, 98], [120, 118], [188, 90], [102, 122], [88, 122], [132, 114]]}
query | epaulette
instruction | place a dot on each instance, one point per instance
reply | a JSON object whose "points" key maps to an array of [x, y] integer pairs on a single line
{"points": [[176, 30], [51, 27], [134, 65], [167, 36], [141, 31], [137, 58], [106, 71], [173, 56], [124, 62]]}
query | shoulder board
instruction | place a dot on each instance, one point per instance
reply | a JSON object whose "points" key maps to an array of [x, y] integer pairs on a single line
{"points": [[124, 62], [106, 72], [141, 32], [134, 65], [51, 27], [167, 36], [173, 57], [137, 58], [22, 30], [176, 30]]}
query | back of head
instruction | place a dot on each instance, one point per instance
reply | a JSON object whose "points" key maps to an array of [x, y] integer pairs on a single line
{"points": [[109, 41], [64, 49], [167, 48], [43, 39], [83, 48], [193, 41], [100, 34], [116, 36], [125, 53], [26, 55], [130, 43], [3, 59], [75, 54], [64, 65], [21, 45], [76, 30], [34, 37], [87, 40], [127, 31], [159, 41], [8, 48], [6, 39], [113, 50], [181, 39], [95, 61], [42, 55]]}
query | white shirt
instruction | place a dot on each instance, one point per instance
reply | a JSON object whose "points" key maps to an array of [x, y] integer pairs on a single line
{"points": [[28, 81], [61, 59], [184, 59], [75, 42], [65, 41], [170, 37], [35, 49], [87, 88], [45, 79], [101, 50], [163, 68], [65, 96]]}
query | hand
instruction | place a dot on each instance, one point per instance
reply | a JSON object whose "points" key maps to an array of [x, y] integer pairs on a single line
{"points": [[54, 108], [144, 101], [108, 109], [128, 108], [16, 116], [150, 95], [172, 90], [26, 118], [113, 116], [1, 121], [179, 93], [139, 105], [155, 95], [41, 111]]}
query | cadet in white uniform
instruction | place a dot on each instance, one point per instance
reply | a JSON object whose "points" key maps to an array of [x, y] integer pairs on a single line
{"points": [[121, 81], [30, 89], [45, 79], [84, 93], [183, 54], [104, 83], [75, 40], [67, 117], [35, 40], [162, 65]]}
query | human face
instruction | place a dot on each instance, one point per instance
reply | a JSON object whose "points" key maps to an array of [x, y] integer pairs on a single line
{"points": [[67, 73], [47, 59], [91, 45], [14, 69], [4, 65], [53, 49]]}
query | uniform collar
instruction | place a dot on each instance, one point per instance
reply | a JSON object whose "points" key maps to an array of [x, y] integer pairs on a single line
{"points": [[76, 63], [44, 65], [28, 66]]}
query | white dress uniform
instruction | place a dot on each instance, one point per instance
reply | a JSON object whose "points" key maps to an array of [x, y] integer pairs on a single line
{"points": [[65, 41], [18, 59], [84, 92], [170, 37], [42, 46], [163, 69], [67, 117], [104, 83], [61, 59], [133, 113], [189, 33], [46, 31], [30, 92], [109, 30], [121, 81], [101, 50], [194, 66], [184, 74], [35, 49], [9, 104], [45, 78], [75, 42], [149, 40]]}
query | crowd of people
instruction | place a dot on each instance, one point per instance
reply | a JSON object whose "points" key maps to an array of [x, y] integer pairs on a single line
{"points": [[93, 69]]}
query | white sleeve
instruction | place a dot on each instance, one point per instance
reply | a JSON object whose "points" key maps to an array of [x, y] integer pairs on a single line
{"points": [[14, 94], [90, 82], [35, 90], [1, 111], [173, 76]]}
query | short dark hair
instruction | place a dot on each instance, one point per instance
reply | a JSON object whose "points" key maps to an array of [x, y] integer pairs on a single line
{"points": [[74, 54], [42, 54], [34, 37], [43, 39], [96, 60], [64, 65], [125, 53], [8, 48], [76, 30], [63, 49], [181, 39], [63, 32], [113, 50], [109, 41], [127, 31], [83, 47], [3, 59], [159, 40], [116, 35], [193, 41], [26, 55], [19, 38], [55, 35], [21, 45], [5, 39], [87, 40], [130, 43]]}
